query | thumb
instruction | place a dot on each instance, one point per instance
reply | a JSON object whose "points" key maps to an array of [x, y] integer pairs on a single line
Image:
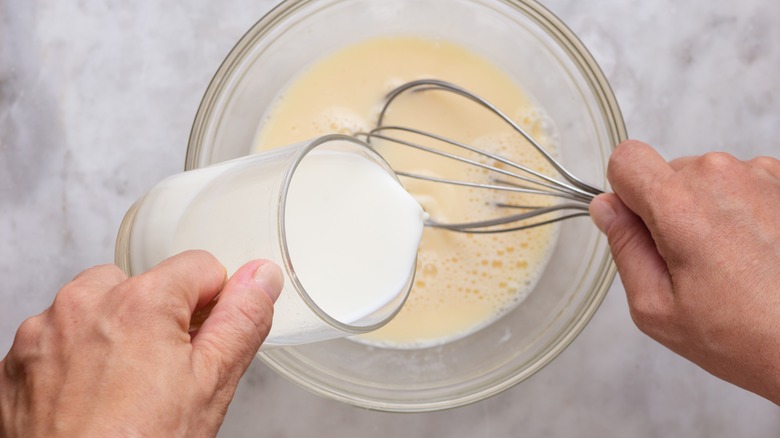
{"points": [[240, 321], [643, 271]]}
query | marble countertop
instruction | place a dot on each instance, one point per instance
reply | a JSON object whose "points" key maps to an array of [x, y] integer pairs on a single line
{"points": [[96, 103]]}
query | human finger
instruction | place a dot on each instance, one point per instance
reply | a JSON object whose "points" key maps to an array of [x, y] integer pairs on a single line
{"points": [[636, 172], [192, 278], [642, 270], [239, 322]]}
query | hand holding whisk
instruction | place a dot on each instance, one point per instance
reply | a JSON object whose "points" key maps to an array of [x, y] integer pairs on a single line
{"points": [[571, 195]]}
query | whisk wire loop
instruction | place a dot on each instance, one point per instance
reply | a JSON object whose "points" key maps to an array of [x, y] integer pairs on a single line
{"points": [[553, 185], [521, 179], [436, 84]]}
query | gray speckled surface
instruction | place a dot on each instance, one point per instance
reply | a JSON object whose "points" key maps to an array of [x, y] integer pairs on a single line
{"points": [[96, 102]]}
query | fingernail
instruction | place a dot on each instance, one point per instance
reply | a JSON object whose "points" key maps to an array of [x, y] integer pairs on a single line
{"points": [[269, 277], [602, 213]]}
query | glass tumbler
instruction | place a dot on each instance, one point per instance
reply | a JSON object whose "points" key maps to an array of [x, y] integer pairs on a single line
{"points": [[213, 207]]}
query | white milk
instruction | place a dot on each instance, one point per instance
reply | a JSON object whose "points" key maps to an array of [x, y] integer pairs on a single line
{"points": [[352, 233], [352, 230]]}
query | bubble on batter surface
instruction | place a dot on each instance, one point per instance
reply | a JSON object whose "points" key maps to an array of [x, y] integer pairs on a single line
{"points": [[341, 120]]}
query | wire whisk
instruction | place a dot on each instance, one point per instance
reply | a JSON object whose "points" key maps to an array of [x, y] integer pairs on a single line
{"points": [[572, 196]]}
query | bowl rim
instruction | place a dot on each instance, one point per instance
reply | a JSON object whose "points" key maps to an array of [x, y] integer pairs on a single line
{"points": [[607, 103]]}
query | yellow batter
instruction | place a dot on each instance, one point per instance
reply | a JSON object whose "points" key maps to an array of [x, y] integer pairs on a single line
{"points": [[463, 281]]}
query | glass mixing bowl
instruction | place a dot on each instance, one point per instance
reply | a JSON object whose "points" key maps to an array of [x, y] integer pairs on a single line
{"points": [[547, 60]]}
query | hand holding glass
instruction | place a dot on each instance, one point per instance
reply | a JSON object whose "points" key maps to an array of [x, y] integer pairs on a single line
{"points": [[329, 211]]}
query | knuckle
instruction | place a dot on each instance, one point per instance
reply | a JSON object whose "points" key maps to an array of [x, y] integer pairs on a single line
{"points": [[223, 360], [213, 372], [141, 285], [621, 154], [642, 314], [672, 220], [262, 324], [133, 298], [187, 271], [70, 299], [648, 315], [769, 164], [216, 365], [717, 161], [111, 272], [627, 147], [764, 160], [624, 242], [26, 344], [147, 298], [653, 309], [30, 330], [201, 253], [108, 271], [202, 258], [252, 320], [138, 293], [88, 287], [212, 383], [620, 244]]}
